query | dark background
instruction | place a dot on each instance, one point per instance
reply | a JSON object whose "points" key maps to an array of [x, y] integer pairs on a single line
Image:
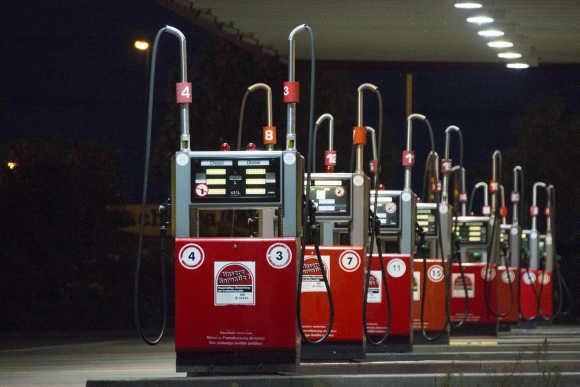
{"points": [[72, 115]]}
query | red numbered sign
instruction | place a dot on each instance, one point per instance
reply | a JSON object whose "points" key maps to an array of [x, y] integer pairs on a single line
{"points": [[486, 210], [183, 92], [503, 212], [408, 158], [439, 186], [534, 211], [330, 158], [291, 92], [493, 186], [463, 197], [269, 135], [374, 166], [225, 147], [547, 212], [446, 165]]}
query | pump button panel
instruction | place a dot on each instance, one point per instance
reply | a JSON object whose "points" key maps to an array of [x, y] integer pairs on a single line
{"points": [[388, 209], [236, 178], [472, 232], [331, 195]]}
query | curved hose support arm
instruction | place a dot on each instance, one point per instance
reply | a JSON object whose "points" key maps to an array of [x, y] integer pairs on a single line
{"points": [[496, 166], [518, 176], [257, 86], [330, 164], [534, 209], [291, 103], [447, 163], [408, 156], [483, 185], [360, 132], [183, 107]]}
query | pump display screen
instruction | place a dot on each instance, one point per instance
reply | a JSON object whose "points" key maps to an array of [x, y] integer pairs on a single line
{"points": [[331, 197], [426, 218], [388, 209], [474, 232], [248, 179]]}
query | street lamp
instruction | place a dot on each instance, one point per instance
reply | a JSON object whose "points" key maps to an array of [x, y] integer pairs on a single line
{"points": [[141, 45]]}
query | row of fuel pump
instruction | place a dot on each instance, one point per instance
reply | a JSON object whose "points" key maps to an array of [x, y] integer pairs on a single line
{"points": [[332, 266]]}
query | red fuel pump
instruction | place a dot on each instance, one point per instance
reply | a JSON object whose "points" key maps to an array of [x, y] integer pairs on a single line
{"points": [[331, 194], [228, 290]]}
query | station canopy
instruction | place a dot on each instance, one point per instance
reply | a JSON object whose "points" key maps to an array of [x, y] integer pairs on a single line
{"points": [[406, 31]]}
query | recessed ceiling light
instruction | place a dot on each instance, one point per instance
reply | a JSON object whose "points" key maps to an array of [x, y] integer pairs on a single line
{"points": [[517, 66], [480, 19], [490, 33], [500, 44], [509, 55], [468, 5]]}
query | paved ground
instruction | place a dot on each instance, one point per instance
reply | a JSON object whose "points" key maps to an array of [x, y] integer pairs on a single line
{"points": [[71, 361]]}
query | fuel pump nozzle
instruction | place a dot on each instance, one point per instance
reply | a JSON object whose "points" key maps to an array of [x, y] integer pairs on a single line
{"points": [[330, 153], [268, 131]]}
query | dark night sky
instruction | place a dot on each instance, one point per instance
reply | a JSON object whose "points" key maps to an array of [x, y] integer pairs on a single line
{"points": [[70, 68]]}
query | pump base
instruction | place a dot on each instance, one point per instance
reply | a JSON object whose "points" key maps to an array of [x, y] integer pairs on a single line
{"points": [[505, 327], [394, 344], [330, 351], [235, 361], [470, 329], [421, 340]]}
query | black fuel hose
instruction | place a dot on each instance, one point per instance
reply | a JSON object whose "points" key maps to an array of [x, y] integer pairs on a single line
{"points": [[375, 227], [309, 222], [137, 318]]}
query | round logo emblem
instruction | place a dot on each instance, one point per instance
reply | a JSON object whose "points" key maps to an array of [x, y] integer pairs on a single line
{"points": [[391, 208], [182, 159], [358, 180], [396, 267], [289, 158], [487, 274], [349, 261], [339, 192], [279, 255], [435, 273], [191, 256]]}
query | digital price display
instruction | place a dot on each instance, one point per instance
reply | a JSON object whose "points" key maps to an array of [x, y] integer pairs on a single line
{"points": [[331, 196], [472, 232], [427, 218], [388, 208], [247, 179]]}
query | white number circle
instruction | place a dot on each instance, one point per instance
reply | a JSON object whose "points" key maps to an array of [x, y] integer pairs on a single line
{"points": [[349, 261], [435, 273], [508, 277], [396, 268], [487, 275], [191, 256], [279, 256], [544, 278], [529, 278]]}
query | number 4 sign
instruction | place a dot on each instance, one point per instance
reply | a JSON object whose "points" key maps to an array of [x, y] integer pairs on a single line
{"points": [[183, 92]]}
